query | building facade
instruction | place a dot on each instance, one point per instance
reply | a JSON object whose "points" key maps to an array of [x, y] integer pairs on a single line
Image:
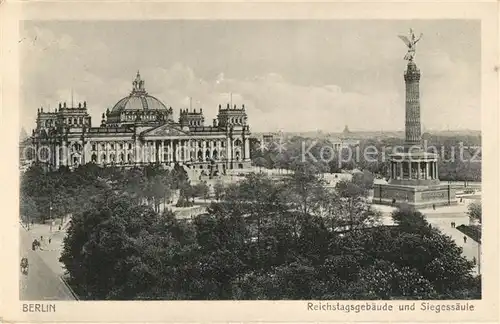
{"points": [[141, 130]]}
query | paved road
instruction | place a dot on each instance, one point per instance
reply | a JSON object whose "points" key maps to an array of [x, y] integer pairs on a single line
{"points": [[41, 283]]}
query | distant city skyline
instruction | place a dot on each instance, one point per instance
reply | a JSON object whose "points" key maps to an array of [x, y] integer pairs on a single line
{"points": [[298, 76]]}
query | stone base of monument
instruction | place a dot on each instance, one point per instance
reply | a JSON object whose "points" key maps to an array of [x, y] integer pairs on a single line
{"points": [[418, 197]]}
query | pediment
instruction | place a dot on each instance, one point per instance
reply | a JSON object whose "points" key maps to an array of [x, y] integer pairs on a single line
{"points": [[165, 130]]}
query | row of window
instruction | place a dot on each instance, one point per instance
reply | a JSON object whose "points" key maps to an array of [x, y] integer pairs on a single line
{"points": [[195, 123], [112, 146], [69, 121], [121, 146], [235, 120], [75, 121], [121, 157]]}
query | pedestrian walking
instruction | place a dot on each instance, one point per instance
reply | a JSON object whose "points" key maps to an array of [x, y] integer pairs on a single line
{"points": [[434, 206], [465, 239], [50, 240]]}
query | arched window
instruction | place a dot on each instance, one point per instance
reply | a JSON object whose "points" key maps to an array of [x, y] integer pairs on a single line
{"points": [[200, 155], [103, 158], [207, 154], [75, 121], [129, 157], [94, 158], [122, 157], [215, 155]]}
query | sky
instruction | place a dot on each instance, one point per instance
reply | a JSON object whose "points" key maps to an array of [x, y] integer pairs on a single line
{"points": [[295, 76]]}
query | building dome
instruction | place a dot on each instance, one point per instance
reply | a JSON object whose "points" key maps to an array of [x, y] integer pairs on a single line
{"points": [[138, 99]]}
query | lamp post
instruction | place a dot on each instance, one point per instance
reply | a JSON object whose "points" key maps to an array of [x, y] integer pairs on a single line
{"points": [[50, 215]]}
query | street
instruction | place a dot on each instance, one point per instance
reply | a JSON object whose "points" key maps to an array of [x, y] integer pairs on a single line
{"points": [[40, 283]]}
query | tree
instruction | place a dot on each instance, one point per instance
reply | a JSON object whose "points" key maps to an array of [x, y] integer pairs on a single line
{"points": [[104, 248], [409, 219], [267, 239], [363, 179], [353, 210], [28, 209], [474, 211], [305, 189], [218, 190], [202, 190], [260, 162], [386, 280]]}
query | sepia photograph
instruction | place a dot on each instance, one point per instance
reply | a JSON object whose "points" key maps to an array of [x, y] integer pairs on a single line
{"points": [[313, 160]]}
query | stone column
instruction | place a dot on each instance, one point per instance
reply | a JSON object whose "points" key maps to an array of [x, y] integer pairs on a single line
{"points": [[57, 158], [98, 152], [153, 151], [217, 147], [247, 149], [185, 149], [107, 152], [419, 172], [436, 169], [68, 156], [136, 152], [401, 170], [125, 153], [169, 153], [178, 150], [229, 149], [162, 159], [426, 170], [204, 149], [191, 149], [412, 107]]}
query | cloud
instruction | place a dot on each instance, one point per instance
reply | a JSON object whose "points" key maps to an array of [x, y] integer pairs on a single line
{"points": [[294, 83], [271, 100]]}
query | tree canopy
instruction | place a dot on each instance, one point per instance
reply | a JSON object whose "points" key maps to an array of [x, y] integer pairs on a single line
{"points": [[264, 239]]}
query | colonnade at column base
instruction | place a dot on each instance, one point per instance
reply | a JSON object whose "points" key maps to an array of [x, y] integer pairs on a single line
{"points": [[418, 197]]}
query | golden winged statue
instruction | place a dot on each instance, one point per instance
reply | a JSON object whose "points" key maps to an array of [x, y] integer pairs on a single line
{"points": [[411, 43]]}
